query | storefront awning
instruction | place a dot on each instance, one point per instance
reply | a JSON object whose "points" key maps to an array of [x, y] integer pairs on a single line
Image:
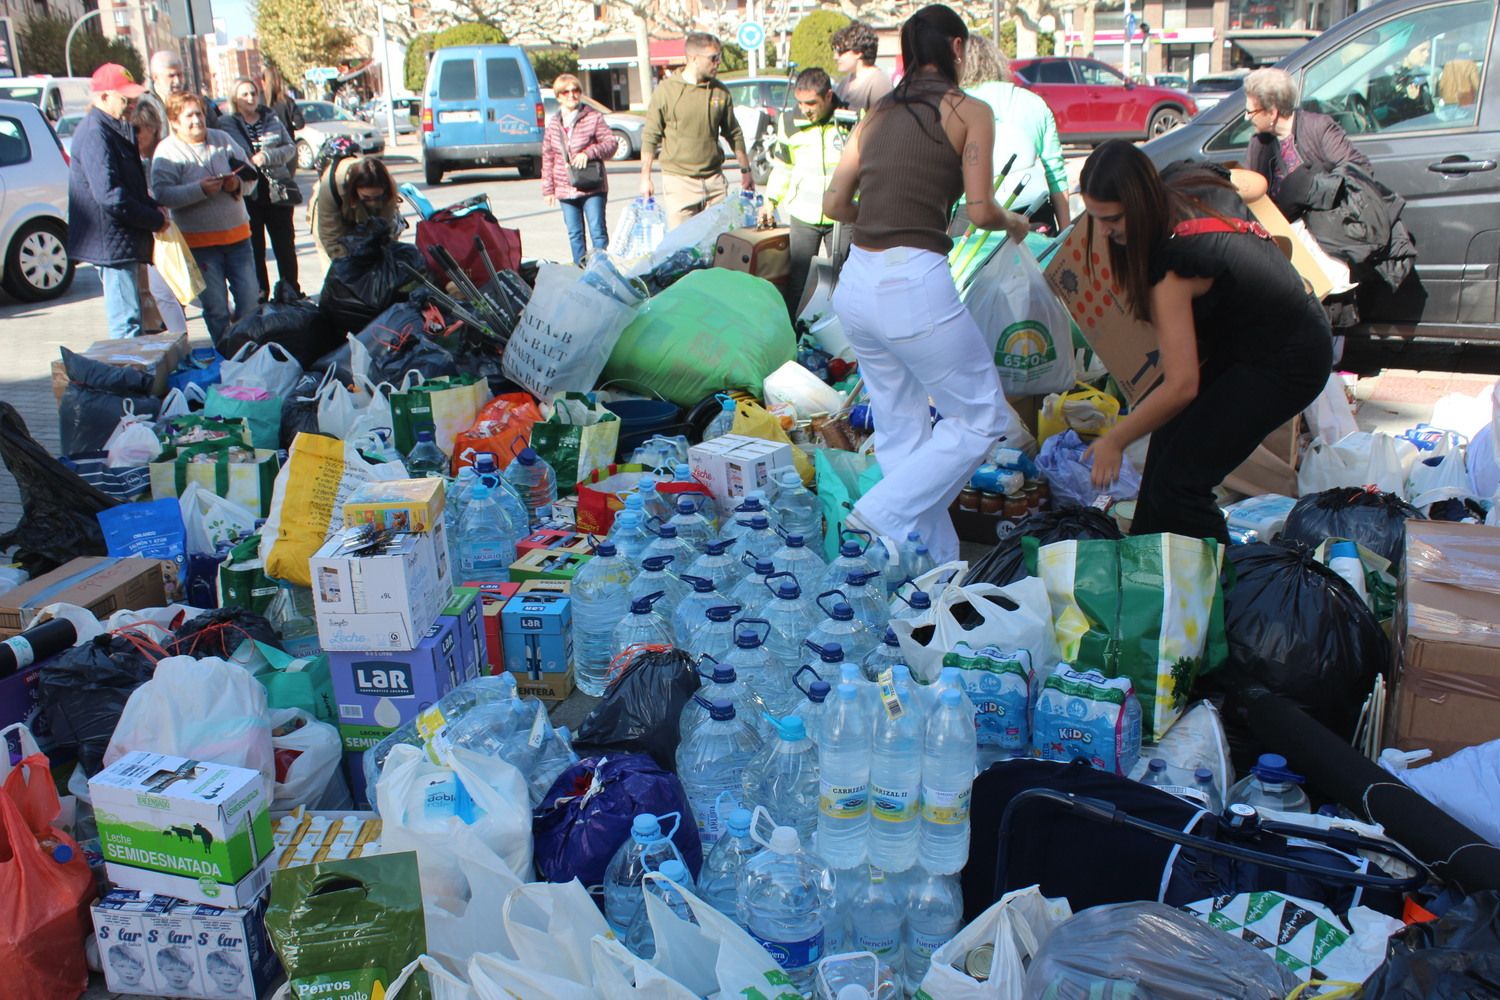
{"points": [[1269, 50], [613, 52]]}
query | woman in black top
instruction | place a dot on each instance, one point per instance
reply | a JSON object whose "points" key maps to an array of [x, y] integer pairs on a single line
{"points": [[275, 154], [1244, 346]]}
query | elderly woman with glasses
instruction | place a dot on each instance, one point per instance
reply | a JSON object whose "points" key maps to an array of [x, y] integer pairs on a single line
{"points": [[353, 191], [575, 146], [1285, 137]]}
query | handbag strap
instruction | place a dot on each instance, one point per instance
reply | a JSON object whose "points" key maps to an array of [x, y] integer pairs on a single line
{"points": [[1213, 224]]}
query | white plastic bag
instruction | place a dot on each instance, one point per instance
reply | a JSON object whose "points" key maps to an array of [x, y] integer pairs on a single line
{"points": [[444, 984], [548, 928], [459, 929], [270, 367], [804, 391], [1330, 416], [639, 230], [570, 326], [700, 233], [307, 754], [1195, 740], [347, 413], [1439, 474], [1025, 325], [210, 520], [174, 404], [1016, 616], [1463, 785], [132, 443], [206, 709], [1364, 458], [479, 806], [620, 975], [1016, 927]]}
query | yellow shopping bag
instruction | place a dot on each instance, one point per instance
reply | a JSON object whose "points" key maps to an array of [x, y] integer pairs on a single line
{"points": [[1087, 410], [174, 259], [753, 420]]}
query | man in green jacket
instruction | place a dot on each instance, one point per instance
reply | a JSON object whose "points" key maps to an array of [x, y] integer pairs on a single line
{"points": [[687, 114], [803, 161]]}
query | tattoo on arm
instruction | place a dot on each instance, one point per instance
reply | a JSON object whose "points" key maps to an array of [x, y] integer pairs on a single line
{"points": [[971, 153]]}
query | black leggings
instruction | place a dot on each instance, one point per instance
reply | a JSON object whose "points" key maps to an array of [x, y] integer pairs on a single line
{"points": [[277, 221], [1192, 453]]}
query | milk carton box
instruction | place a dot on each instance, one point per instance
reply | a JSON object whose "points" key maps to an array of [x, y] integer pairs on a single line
{"points": [[159, 946], [191, 829]]}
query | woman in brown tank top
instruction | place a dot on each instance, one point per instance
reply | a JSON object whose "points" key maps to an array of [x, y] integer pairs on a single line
{"points": [[907, 163]]}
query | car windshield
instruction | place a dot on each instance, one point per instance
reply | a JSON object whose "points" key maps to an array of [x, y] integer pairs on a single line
{"points": [[30, 93], [68, 124], [1218, 85]]}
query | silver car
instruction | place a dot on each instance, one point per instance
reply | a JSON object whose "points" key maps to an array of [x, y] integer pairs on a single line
{"points": [[324, 120], [627, 128], [33, 206]]}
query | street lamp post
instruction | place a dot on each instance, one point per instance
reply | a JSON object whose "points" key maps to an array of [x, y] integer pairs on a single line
{"points": [[68, 43], [386, 81]]}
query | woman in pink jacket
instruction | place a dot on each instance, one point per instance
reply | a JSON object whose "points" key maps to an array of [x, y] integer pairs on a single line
{"points": [[575, 147]]}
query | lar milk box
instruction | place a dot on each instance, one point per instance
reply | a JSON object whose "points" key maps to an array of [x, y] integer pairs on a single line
{"points": [[191, 829], [160, 946]]}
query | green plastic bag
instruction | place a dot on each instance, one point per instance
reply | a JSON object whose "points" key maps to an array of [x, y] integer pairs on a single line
{"points": [[347, 928], [293, 682], [262, 416], [579, 437], [843, 477], [714, 330], [242, 578], [1149, 607]]}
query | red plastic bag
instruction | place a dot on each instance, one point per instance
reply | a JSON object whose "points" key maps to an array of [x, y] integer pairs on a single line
{"points": [[503, 422], [44, 915], [457, 234]]}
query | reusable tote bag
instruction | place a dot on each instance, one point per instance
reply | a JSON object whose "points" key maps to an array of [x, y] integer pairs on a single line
{"points": [[448, 405], [843, 478], [579, 437], [1149, 608], [174, 259], [210, 465], [1023, 322]]}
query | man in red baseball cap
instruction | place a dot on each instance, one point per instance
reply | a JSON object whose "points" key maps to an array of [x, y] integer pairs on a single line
{"points": [[111, 215]]}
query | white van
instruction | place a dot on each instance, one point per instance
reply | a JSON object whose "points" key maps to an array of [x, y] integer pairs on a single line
{"points": [[55, 95]]}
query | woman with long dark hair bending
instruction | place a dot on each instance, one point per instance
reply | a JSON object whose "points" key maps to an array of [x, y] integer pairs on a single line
{"points": [[1244, 345], [908, 161]]}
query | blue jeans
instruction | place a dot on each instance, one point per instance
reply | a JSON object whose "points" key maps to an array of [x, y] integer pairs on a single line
{"points": [[575, 211], [226, 270], [122, 300]]}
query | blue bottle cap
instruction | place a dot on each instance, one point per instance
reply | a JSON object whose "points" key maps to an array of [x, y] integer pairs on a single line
{"points": [[721, 709], [832, 652], [950, 697], [788, 590], [817, 692], [1203, 775], [667, 531], [747, 638], [1157, 766], [606, 549], [673, 869], [685, 506], [920, 600], [717, 547], [655, 564], [738, 822], [758, 522], [850, 549], [645, 827], [764, 567], [848, 692], [724, 673], [795, 542], [890, 638], [424, 435], [527, 457], [721, 613], [700, 584], [841, 612]]}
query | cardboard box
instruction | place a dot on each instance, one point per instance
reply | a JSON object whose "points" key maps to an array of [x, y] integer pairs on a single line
{"points": [[732, 465], [304, 837], [543, 585], [1268, 215], [160, 946], [384, 601], [159, 354], [547, 564], [555, 540], [192, 829], [378, 690], [399, 505], [1447, 689], [465, 610], [538, 639], [1082, 278], [101, 585], [492, 598]]}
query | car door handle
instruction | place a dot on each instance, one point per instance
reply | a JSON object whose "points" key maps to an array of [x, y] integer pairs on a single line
{"points": [[1461, 166], [489, 114]]}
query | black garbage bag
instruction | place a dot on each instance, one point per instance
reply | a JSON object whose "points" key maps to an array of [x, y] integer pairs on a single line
{"points": [[363, 284], [299, 411], [641, 707], [59, 511], [1005, 563], [397, 343], [94, 401], [219, 633], [1374, 519], [1456, 957], [290, 319], [1297, 629], [82, 692]]}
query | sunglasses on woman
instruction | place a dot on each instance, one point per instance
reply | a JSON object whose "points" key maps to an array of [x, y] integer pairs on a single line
{"points": [[569, 90]]}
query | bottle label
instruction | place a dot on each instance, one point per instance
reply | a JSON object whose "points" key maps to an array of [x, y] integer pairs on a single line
{"points": [[539, 727], [794, 954], [881, 943], [943, 807], [843, 801], [893, 805], [25, 655], [920, 945], [889, 698]]}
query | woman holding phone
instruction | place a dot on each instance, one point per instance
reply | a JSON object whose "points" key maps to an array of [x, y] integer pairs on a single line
{"points": [[202, 176]]}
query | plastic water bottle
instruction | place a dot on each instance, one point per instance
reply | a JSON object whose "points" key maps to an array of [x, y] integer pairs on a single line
{"points": [[1156, 774], [915, 559], [487, 470], [688, 614], [868, 693], [630, 535], [1269, 785], [655, 575], [724, 864], [654, 503], [601, 599], [723, 420], [934, 914], [535, 483], [949, 755], [896, 783], [646, 850], [796, 557], [844, 776], [714, 636], [702, 502], [756, 537], [692, 527], [737, 520], [769, 678], [718, 564], [813, 707], [667, 543], [952, 677], [841, 627], [1205, 785], [723, 685], [488, 689], [883, 657], [711, 760], [1343, 559], [752, 592], [456, 500], [640, 939], [878, 915], [486, 538], [913, 606], [426, 459], [855, 975], [791, 615], [797, 509], [641, 626], [783, 778], [866, 594], [785, 904], [851, 559]]}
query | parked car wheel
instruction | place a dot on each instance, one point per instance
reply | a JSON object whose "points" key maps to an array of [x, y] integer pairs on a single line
{"points": [[432, 172], [37, 265], [531, 169], [305, 154], [1163, 121], [623, 151]]}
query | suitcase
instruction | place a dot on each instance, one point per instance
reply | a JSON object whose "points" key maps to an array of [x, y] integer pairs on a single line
{"points": [[765, 253]]}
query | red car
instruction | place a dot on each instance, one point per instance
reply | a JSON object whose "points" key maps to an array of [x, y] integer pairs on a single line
{"points": [[1094, 102]]}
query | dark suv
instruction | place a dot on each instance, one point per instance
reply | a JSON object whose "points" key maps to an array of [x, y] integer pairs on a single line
{"points": [[1094, 102], [1438, 149]]}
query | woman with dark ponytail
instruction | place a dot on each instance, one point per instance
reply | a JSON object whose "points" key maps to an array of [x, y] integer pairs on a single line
{"points": [[907, 163]]}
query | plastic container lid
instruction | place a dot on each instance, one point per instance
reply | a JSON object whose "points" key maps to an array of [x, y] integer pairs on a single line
{"points": [[686, 506], [606, 549], [848, 692], [950, 696], [645, 827], [749, 505], [832, 652], [721, 613], [746, 638], [817, 692], [1157, 766], [724, 673], [717, 547], [727, 404], [700, 584], [527, 456], [424, 435], [62, 854], [795, 542], [841, 612], [1343, 550], [1271, 768], [788, 590], [683, 472], [720, 710], [784, 840], [764, 567], [655, 564], [674, 870], [913, 536], [1202, 775], [850, 549], [738, 822], [890, 637], [852, 991], [759, 521], [920, 600], [668, 531], [792, 729]]}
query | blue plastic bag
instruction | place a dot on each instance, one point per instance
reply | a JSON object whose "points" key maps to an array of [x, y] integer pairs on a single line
{"points": [[152, 529], [587, 813], [201, 367], [1061, 460]]}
